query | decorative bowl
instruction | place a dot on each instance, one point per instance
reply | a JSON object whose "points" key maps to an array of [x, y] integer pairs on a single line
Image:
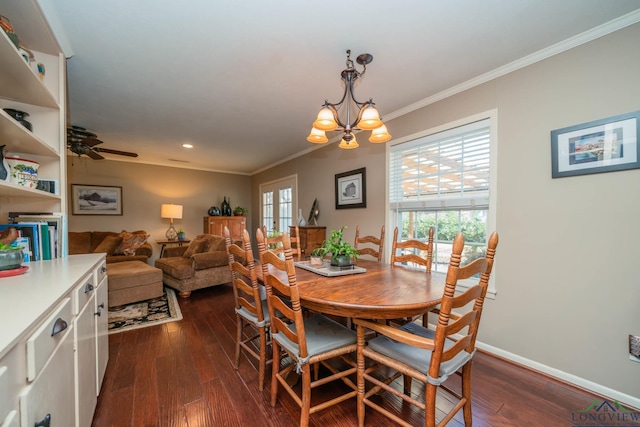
{"points": [[23, 172], [10, 259]]}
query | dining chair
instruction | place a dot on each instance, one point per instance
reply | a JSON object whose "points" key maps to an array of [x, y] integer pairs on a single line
{"points": [[412, 250], [428, 356], [378, 242], [251, 310], [275, 243], [306, 340]]}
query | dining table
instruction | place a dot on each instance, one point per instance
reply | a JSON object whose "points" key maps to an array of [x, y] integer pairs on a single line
{"points": [[381, 292]]}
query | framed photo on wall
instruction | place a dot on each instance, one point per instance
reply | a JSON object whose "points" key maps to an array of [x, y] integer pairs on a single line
{"points": [[605, 145], [351, 189], [96, 200]]}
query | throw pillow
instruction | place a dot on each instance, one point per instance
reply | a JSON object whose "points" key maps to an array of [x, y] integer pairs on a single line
{"points": [[196, 246], [131, 242], [109, 245]]}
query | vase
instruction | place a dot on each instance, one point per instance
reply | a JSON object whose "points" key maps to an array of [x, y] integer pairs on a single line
{"points": [[182, 235], [225, 208], [214, 211], [341, 261]]}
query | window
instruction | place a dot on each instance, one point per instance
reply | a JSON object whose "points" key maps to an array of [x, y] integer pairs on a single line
{"points": [[278, 202], [443, 179]]}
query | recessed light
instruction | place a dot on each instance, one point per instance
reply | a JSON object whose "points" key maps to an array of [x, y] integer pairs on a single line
{"points": [[187, 145]]}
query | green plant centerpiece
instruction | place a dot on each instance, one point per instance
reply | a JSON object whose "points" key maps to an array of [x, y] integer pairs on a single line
{"points": [[342, 253], [239, 211]]}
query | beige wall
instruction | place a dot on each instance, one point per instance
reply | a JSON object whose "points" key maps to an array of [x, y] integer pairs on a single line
{"points": [[566, 267], [146, 187]]}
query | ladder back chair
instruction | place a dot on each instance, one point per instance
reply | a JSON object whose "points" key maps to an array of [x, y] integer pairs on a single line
{"points": [[307, 341], [378, 242], [251, 310], [274, 243], [412, 250], [428, 356]]}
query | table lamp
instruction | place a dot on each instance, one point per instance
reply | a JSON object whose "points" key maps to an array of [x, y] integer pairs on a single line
{"points": [[172, 212]]}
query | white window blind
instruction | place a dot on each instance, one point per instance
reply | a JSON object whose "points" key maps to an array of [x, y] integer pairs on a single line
{"points": [[442, 171]]}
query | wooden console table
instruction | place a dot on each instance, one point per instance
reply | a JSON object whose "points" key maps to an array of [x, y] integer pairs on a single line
{"points": [[164, 243]]}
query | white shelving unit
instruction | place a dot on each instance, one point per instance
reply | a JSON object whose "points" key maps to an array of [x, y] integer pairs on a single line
{"points": [[44, 100]]}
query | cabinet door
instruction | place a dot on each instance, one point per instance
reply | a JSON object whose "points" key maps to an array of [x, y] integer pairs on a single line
{"points": [[102, 332], [236, 227], [52, 392], [215, 225], [85, 364]]}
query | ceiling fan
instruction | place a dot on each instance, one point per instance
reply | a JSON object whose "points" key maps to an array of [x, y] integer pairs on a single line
{"points": [[80, 141]]}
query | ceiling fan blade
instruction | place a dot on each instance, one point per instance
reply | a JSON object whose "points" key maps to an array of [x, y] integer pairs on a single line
{"points": [[86, 141], [121, 153], [94, 155], [80, 131]]}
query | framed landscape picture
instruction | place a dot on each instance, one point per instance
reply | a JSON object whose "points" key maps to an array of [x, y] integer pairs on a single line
{"points": [[351, 189], [605, 145], [96, 200]]}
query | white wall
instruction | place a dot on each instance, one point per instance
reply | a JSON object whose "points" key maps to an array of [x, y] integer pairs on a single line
{"points": [[566, 272]]}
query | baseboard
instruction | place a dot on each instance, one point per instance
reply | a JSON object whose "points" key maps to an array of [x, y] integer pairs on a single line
{"points": [[606, 392]]}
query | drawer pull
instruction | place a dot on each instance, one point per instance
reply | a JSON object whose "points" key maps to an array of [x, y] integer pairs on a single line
{"points": [[58, 327], [101, 305], [46, 422], [88, 288], [103, 269]]}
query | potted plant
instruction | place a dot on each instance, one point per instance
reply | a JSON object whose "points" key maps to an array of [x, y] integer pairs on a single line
{"points": [[239, 211], [316, 256], [181, 234], [342, 253]]}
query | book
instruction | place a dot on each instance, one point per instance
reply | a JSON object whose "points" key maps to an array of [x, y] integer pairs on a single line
{"points": [[56, 222], [31, 231], [24, 243]]}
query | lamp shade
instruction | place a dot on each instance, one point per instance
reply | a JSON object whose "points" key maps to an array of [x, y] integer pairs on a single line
{"points": [[317, 136], [370, 119], [380, 135], [349, 145], [171, 211], [325, 120]]}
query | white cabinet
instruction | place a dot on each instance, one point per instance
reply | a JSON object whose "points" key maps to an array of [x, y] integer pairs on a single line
{"points": [[102, 325], [53, 346], [44, 100]]}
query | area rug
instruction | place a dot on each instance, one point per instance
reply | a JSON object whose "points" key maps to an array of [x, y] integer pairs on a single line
{"points": [[151, 312]]}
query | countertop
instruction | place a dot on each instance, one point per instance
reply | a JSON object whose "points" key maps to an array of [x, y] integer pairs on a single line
{"points": [[25, 300]]}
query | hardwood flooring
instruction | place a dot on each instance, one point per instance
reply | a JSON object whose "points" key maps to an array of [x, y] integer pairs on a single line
{"points": [[181, 374]]}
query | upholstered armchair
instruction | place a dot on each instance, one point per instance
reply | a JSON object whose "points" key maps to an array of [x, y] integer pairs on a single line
{"points": [[202, 264]]}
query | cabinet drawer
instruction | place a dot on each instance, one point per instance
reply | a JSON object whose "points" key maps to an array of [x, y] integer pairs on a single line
{"points": [[101, 272], [83, 293], [44, 340], [52, 393]]}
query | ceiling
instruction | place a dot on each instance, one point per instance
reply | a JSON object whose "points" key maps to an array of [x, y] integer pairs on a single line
{"points": [[243, 81]]}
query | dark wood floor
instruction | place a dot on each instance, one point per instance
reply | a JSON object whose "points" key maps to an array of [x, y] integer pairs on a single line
{"points": [[181, 374]]}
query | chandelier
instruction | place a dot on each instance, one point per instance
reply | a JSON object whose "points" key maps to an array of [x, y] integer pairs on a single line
{"points": [[365, 115]]}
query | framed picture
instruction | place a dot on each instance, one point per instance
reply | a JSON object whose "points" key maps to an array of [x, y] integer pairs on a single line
{"points": [[96, 200], [351, 189], [605, 145]]}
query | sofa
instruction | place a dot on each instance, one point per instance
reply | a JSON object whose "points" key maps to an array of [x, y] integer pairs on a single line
{"points": [[202, 264], [119, 247]]}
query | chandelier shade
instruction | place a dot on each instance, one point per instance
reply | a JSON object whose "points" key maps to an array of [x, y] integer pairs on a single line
{"points": [[367, 117]]}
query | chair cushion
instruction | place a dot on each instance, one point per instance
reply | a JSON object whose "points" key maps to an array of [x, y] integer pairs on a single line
{"points": [[108, 245], [177, 267], [196, 246], [323, 334], [242, 311], [419, 358]]}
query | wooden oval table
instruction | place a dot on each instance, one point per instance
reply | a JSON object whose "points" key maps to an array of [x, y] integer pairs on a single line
{"points": [[381, 292]]}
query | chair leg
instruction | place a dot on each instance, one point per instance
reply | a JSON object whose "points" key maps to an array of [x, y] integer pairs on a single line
{"points": [[407, 381], [360, 374], [263, 358], [275, 369], [306, 396], [466, 393], [430, 403], [239, 327]]}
